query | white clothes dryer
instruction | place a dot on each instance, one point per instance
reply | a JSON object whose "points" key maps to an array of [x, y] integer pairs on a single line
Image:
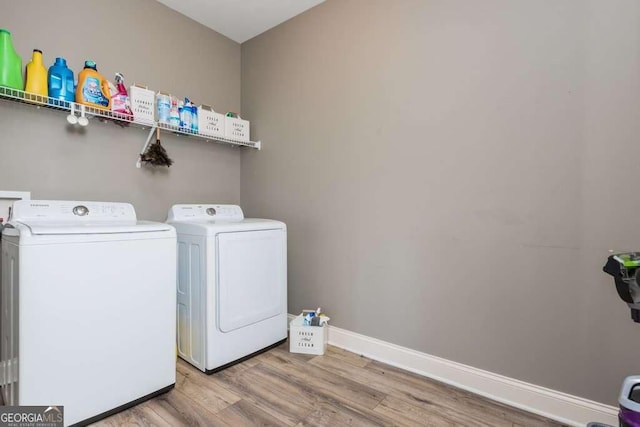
{"points": [[88, 308], [231, 284]]}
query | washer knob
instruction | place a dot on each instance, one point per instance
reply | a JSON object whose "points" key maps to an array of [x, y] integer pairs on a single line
{"points": [[81, 210], [211, 211]]}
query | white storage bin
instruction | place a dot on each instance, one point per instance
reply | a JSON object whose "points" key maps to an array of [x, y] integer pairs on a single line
{"points": [[236, 128], [142, 104], [209, 122], [307, 339]]}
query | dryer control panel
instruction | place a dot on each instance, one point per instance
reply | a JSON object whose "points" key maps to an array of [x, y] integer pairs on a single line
{"points": [[68, 211], [205, 212]]}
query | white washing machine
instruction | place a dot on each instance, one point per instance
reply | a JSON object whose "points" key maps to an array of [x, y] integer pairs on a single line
{"points": [[88, 307], [232, 284]]}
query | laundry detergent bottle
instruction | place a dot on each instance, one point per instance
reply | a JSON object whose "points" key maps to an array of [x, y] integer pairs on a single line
{"points": [[93, 88], [60, 82], [629, 401], [36, 75], [10, 63]]}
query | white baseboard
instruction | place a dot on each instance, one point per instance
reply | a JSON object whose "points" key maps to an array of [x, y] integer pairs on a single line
{"points": [[559, 406]]}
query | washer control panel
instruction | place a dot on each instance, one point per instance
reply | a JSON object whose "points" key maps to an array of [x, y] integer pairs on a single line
{"points": [[205, 212], [59, 210]]}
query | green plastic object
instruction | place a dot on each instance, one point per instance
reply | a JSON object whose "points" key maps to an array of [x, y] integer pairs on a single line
{"points": [[10, 63], [629, 259]]}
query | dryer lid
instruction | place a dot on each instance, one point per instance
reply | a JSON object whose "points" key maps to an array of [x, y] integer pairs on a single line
{"points": [[213, 227]]}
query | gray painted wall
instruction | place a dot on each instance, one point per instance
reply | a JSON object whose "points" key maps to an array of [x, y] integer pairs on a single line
{"points": [[150, 44], [453, 174]]}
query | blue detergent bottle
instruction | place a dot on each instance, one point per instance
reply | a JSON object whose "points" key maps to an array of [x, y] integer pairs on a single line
{"points": [[61, 85]]}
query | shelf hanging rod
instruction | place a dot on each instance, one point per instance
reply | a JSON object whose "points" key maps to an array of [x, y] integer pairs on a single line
{"points": [[145, 146]]}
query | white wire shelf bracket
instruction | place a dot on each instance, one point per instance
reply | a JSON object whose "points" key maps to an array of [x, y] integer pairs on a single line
{"points": [[39, 101]]}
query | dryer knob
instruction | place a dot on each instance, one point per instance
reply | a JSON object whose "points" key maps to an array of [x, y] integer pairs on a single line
{"points": [[211, 211], [81, 210]]}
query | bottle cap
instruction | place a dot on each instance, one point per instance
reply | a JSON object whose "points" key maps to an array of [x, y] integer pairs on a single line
{"points": [[61, 61], [90, 64], [2, 30], [37, 50]]}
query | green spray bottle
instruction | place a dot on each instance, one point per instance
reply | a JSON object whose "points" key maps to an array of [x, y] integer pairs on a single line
{"points": [[10, 63]]}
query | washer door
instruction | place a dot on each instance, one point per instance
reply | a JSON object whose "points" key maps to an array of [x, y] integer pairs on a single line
{"points": [[251, 277]]}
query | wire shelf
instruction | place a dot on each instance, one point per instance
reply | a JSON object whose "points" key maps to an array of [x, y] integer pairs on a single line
{"points": [[40, 101], [179, 131]]}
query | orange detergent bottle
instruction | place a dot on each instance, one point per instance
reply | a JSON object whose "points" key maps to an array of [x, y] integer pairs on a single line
{"points": [[93, 88]]}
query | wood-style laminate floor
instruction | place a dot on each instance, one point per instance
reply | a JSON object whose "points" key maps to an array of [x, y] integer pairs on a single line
{"points": [[278, 388]]}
